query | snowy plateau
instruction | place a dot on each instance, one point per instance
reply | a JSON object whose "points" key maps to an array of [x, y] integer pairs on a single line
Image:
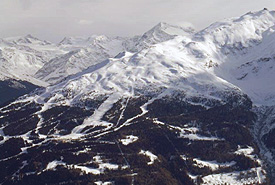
{"points": [[172, 106]]}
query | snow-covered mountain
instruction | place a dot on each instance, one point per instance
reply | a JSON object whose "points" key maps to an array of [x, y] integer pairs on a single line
{"points": [[80, 53], [84, 52], [242, 45], [112, 45], [41, 62], [31, 60], [28, 40], [186, 104], [22, 57], [160, 33], [214, 58], [70, 63]]}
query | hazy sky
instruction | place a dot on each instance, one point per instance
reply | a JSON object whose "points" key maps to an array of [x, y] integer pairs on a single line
{"points": [[54, 19]]}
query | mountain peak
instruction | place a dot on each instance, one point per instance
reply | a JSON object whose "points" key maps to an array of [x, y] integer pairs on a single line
{"points": [[27, 39], [245, 30], [82, 41], [29, 36], [172, 29], [162, 24]]}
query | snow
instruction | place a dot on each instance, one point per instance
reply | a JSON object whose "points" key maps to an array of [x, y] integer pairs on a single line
{"points": [[245, 151], [184, 157], [193, 177], [149, 154], [52, 165], [103, 183], [102, 165], [99, 170], [27, 40], [246, 69], [248, 152], [233, 55], [1, 130], [173, 62], [190, 133], [129, 139], [165, 59], [213, 165], [96, 171], [41, 62], [250, 177], [187, 132], [86, 150], [84, 52], [70, 63], [88, 170], [21, 57], [160, 33], [167, 65], [95, 119], [168, 56]]}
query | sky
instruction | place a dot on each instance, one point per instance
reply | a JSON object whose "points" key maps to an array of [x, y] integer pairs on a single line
{"points": [[54, 19]]}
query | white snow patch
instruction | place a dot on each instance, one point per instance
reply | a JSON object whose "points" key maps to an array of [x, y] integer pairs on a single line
{"points": [[86, 150], [87, 169], [102, 165], [125, 167], [95, 119], [244, 151], [252, 176], [184, 157], [96, 171], [193, 177], [248, 153], [188, 132], [198, 137], [52, 165], [150, 155], [191, 133], [129, 139], [2, 131], [103, 183], [213, 165]]}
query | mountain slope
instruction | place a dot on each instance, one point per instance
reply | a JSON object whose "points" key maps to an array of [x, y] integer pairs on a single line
{"points": [[12, 89], [177, 111], [70, 63], [21, 57], [160, 33], [84, 52]]}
